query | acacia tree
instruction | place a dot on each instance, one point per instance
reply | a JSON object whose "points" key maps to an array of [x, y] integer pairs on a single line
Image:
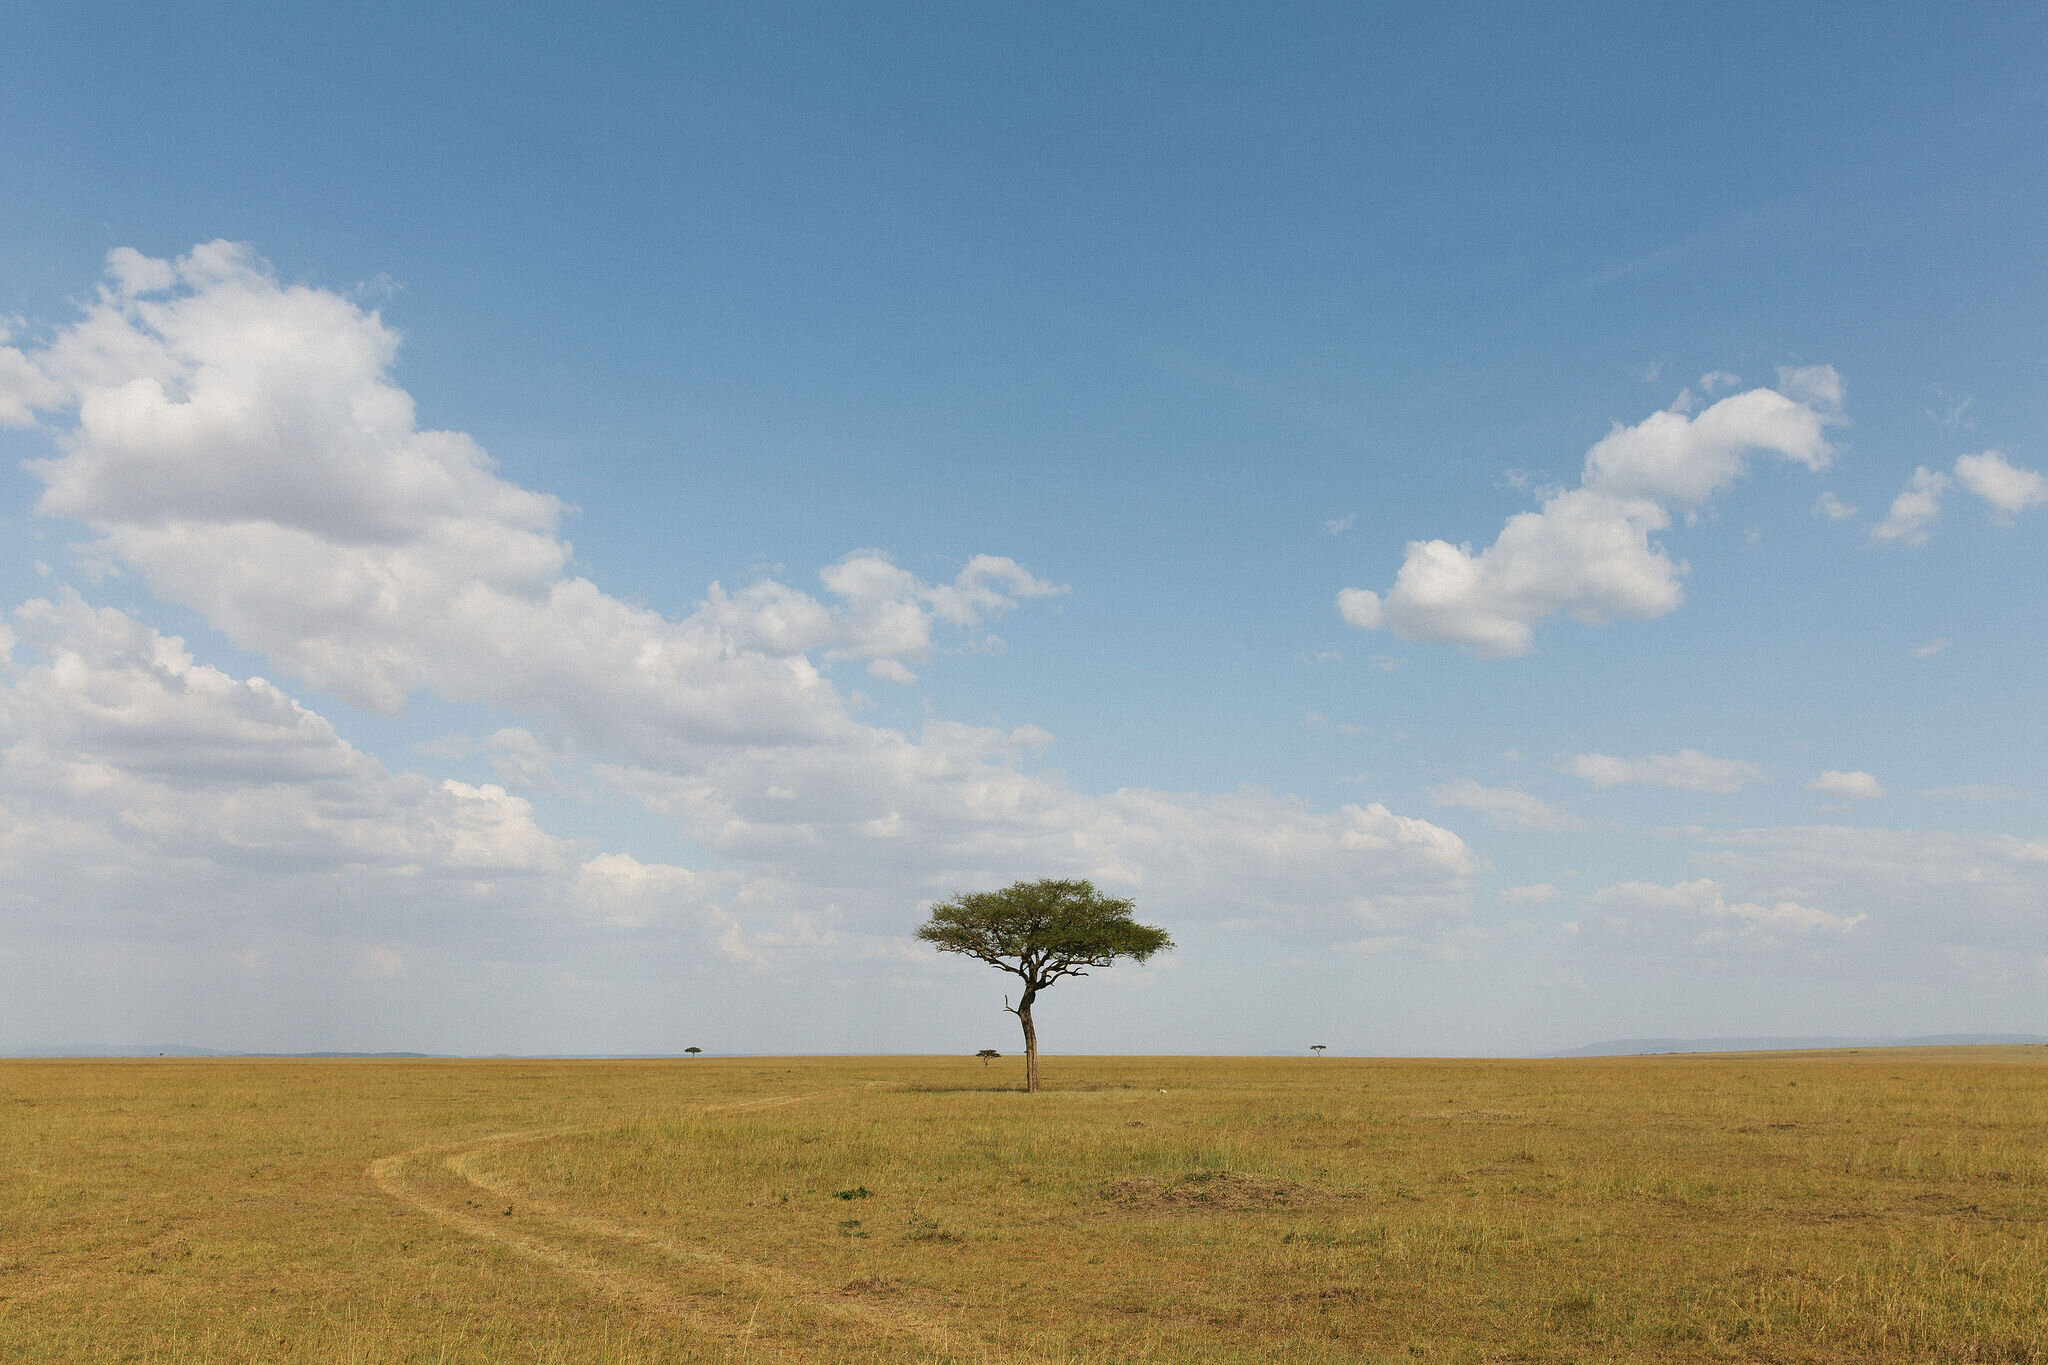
{"points": [[1040, 932]]}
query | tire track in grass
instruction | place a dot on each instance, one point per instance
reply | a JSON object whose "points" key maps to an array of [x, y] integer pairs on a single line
{"points": [[387, 1174], [463, 1160]]}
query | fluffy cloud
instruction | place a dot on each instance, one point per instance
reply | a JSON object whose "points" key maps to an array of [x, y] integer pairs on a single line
{"points": [[2005, 487], [1681, 461], [1506, 807], [871, 824], [1914, 510], [1908, 908], [1587, 551], [521, 760], [24, 388], [2009, 489], [1965, 892], [1701, 912], [1686, 770], [1852, 786], [629, 893], [240, 444], [889, 612], [137, 782]]}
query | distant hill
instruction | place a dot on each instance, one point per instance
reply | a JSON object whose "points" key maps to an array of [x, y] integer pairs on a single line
{"points": [[1642, 1047]]}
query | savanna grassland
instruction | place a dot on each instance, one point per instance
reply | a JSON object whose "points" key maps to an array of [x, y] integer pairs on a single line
{"points": [[1881, 1205]]}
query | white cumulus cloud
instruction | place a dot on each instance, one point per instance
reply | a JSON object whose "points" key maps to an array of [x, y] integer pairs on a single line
{"points": [[1850, 786], [1967, 893], [24, 387], [1961, 909], [240, 444], [1914, 511], [2009, 489], [1703, 912], [137, 784], [1587, 551], [2006, 488]]}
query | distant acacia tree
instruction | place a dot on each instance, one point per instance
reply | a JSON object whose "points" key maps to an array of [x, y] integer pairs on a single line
{"points": [[693, 1051], [1040, 932], [1317, 1048], [987, 1055]]}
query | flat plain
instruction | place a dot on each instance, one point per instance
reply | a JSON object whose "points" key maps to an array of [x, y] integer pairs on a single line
{"points": [[1848, 1206]]}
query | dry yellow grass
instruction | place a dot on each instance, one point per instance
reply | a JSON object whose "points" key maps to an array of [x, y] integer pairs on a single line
{"points": [[1820, 1207]]}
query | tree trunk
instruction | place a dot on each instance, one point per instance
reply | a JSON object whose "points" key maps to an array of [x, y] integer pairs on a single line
{"points": [[1030, 1040]]}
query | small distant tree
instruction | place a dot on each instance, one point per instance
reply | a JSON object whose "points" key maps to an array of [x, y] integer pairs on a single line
{"points": [[693, 1051], [1317, 1048], [1040, 932], [987, 1055]]}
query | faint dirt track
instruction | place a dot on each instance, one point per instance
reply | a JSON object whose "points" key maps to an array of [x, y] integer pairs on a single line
{"points": [[576, 1244]]}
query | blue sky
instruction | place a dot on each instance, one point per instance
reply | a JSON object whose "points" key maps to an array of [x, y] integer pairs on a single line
{"points": [[1030, 384]]}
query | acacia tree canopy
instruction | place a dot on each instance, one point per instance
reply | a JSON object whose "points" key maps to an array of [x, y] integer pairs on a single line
{"points": [[1041, 932]]}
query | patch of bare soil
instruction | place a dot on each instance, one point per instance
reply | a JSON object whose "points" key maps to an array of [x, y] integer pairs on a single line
{"points": [[1936, 1203], [1343, 1294], [1220, 1190], [871, 1284]]}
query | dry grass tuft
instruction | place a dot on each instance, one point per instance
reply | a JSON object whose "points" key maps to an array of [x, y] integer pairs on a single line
{"points": [[1217, 1190]]}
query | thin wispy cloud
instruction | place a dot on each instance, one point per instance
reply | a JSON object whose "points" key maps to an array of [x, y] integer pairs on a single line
{"points": [[1978, 792], [1831, 508], [1506, 807], [1686, 770]]}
